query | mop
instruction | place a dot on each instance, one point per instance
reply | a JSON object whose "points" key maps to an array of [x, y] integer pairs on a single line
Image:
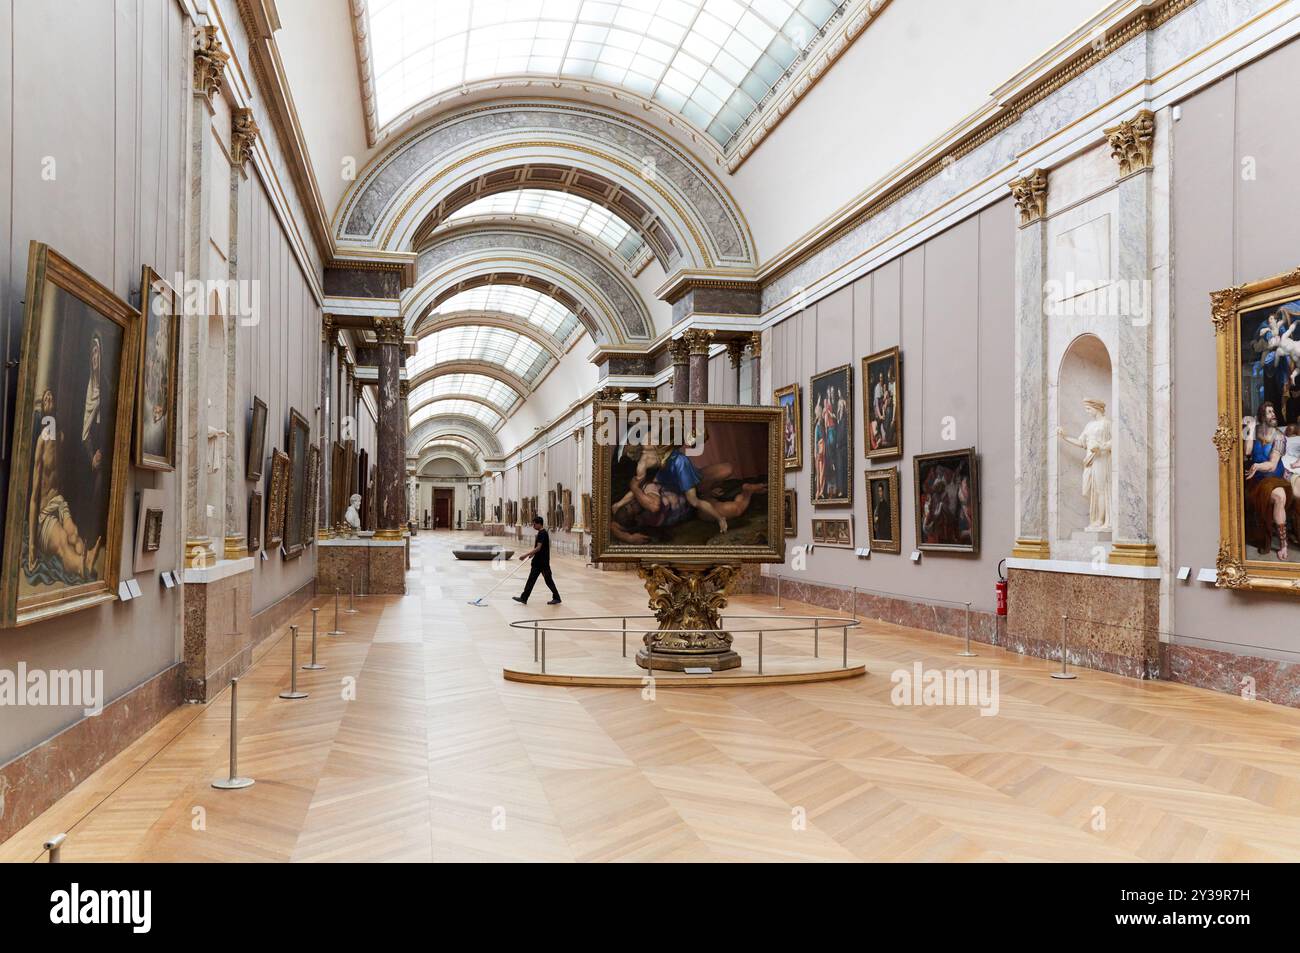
{"points": [[479, 601]]}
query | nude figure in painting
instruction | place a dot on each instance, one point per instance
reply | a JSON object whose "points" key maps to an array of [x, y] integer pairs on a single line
{"points": [[50, 527]]}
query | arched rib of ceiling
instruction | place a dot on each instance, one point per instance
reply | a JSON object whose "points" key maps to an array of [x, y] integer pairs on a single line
{"points": [[497, 409], [484, 412], [470, 466], [486, 368], [548, 226], [624, 200], [506, 348], [498, 394], [431, 323], [465, 427], [451, 441], [385, 206]]}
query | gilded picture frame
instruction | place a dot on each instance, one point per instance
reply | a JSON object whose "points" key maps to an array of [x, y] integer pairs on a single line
{"points": [[882, 413], [299, 440], [256, 460], [77, 334], [883, 511], [756, 529], [276, 495], [1235, 312], [830, 432], [946, 501], [790, 512], [311, 504], [159, 377], [834, 531], [787, 398]]}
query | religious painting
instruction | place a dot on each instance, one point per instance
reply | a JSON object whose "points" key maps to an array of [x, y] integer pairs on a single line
{"points": [[787, 398], [947, 503], [830, 406], [884, 527], [150, 514], [155, 412], [687, 482], [295, 505], [1257, 328], [311, 502], [790, 513], [882, 394], [256, 441], [277, 493], [833, 531], [254, 522], [71, 444]]}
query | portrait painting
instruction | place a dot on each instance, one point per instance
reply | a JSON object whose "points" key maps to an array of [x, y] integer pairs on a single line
{"points": [[833, 531], [830, 408], [295, 516], [1257, 329], [884, 527], [947, 501], [787, 398], [790, 513], [254, 522], [277, 493], [687, 481], [155, 411], [72, 431], [256, 441], [882, 394]]}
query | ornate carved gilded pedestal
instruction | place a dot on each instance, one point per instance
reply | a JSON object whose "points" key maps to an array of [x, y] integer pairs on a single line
{"points": [[687, 597]]}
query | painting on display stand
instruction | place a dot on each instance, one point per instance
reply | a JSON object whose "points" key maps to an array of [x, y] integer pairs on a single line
{"points": [[834, 531], [884, 528], [295, 505], [256, 441], [155, 413], [71, 442], [696, 486], [1257, 330], [947, 504], [787, 398], [830, 408], [790, 513], [276, 494], [882, 394]]}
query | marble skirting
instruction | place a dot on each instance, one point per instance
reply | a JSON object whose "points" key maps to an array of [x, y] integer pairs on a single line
{"points": [[372, 569], [218, 633], [34, 780], [1269, 680], [387, 570]]}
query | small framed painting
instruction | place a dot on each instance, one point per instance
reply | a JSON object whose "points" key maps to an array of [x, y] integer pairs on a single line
{"points": [[150, 514], [882, 394], [831, 421], [155, 411], [295, 504], [833, 531], [947, 501], [882, 499], [790, 512], [256, 441], [312, 502], [254, 522], [787, 398], [277, 493]]}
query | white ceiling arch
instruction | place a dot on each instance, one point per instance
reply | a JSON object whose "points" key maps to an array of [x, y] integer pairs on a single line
{"points": [[480, 368], [452, 427], [470, 465], [435, 321], [419, 411], [491, 389]]}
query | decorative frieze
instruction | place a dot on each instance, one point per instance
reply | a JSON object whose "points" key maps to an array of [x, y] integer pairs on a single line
{"points": [[243, 135], [1030, 194], [1132, 142], [209, 61]]}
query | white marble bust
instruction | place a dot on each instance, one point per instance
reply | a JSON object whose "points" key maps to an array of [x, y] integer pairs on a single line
{"points": [[353, 516]]}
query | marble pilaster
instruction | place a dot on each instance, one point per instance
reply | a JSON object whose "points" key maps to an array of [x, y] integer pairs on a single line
{"points": [[698, 342], [391, 452], [756, 367], [681, 355], [1031, 377]]}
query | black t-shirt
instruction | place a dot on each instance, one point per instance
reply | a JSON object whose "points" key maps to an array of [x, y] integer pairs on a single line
{"points": [[543, 541]]}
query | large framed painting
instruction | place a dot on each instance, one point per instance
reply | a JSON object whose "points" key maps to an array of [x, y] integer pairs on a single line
{"points": [[311, 503], [1257, 330], [790, 513], [256, 441], [830, 408], [295, 516], [155, 411], [882, 404], [884, 527], [947, 505], [787, 398], [687, 483], [71, 442], [834, 531], [276, 494]]}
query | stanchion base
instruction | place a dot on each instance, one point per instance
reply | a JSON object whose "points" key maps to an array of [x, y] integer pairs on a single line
{"points": [[967, 654], [1064, 675], [351, 611], [233, 784], [293, 694], [313, 667], [336, 632]]}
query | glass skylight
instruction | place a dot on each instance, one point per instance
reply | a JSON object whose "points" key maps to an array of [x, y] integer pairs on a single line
{"points": [[509, 349], [712, 61], [453, 442], [537, 309], [501, 396], [596, 220], [463, 408]]}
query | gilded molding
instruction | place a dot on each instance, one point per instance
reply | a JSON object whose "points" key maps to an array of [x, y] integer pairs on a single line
{"points": [[1133, 554], [1132, 142], [1230, 570], [209, 61], [1030, 194], [1026, 548], [243, 136], [1224, 439], [1223, 308]]}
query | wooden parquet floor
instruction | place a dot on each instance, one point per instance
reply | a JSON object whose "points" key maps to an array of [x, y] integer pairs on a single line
{"points": [[412, 747]]}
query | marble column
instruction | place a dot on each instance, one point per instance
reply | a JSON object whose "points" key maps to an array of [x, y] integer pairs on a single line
{"points": [[681, 355], [756, 368], [327, 414], [698, 342], [1030, 194], [736, 355], [243, 139], [391, 455], [1131, 145]]}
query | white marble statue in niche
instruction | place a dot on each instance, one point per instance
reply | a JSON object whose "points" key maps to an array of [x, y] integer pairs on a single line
{"points": [[353, 516], [1095, 443]]}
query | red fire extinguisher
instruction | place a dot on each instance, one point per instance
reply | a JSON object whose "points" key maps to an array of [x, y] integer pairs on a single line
{"points": [[1000, 587]]}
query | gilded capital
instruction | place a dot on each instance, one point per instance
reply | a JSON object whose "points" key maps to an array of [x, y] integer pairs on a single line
{"points": [[756, 343], [1132, 142], [327, 329], [403, 389], [243, 134], [1030, 194], [698, 341], [389, 330], [680, 350], [736, 351], [209, 61]]}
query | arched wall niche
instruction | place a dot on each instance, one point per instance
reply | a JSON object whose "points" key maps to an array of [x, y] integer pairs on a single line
{"points": [[1085, 373]]}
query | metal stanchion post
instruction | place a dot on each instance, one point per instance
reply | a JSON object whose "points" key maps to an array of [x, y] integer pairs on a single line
{"points": [[624, 636], [54, 846], [352, 594], [293, 666], [779, 607], [967, 653], [543, 651], [336, 630], [845, 632], [760, 652], [233, 781], [817, 638], [534, 641], [1064, 672], [314, 666]]}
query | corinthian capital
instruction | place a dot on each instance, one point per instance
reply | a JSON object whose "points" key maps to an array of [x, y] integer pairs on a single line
{"points": [[1132, 142], [389, 330], [698, 341], [1030, 193], [243, 134], [209, 61], [680, 350]]}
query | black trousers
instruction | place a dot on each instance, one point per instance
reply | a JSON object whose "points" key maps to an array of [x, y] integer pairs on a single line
{"points": [[543, 570]]}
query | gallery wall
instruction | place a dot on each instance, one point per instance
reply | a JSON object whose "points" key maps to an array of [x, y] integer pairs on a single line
{"points": [[1236, 213], [948, 304]]}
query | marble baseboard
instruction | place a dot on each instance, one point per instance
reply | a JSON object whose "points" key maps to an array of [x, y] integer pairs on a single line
{"points": [[1272, 680], [271, 619], [34, 780], [218, 633], [386, 571]]}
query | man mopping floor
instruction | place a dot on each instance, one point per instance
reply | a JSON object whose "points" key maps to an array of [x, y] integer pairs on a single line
{"points": [[540, 554]]}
